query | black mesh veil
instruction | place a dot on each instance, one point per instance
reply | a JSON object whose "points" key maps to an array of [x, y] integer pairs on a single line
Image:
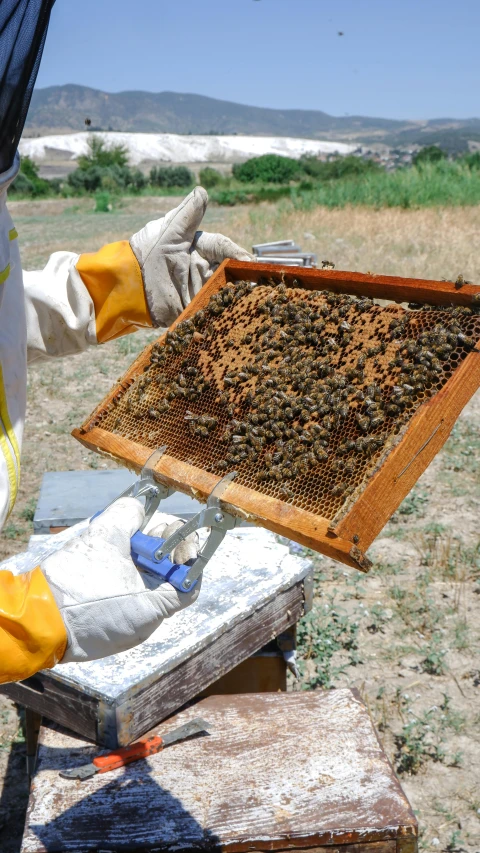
{"points": [[23, 27]]}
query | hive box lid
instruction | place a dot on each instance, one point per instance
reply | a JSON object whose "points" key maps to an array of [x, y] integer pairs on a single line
{"points": [[67, 497], [298, 770]]}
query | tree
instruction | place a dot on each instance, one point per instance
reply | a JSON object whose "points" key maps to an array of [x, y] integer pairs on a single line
{"points": [[171, 176], [429, 154], [100, 155], [210, 178], [268, 169]]}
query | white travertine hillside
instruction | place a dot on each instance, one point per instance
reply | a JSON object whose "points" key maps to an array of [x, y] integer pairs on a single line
{"points": [[173, 148]]}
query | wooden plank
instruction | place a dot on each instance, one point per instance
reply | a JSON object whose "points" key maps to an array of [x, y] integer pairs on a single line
{"points": [[146, 708], [311, 530], [278, 772], [360, 284], [427, 432], [58, 701]]}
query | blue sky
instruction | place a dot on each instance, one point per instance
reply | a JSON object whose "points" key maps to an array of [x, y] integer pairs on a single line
{"points": [[397, 58]]}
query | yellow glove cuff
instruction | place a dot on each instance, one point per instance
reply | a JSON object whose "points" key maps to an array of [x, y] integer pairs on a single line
{"points": [[32, 633], [114, 281]]}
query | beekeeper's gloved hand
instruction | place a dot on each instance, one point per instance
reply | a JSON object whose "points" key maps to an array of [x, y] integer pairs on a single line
{"points": [[106, 604], [176, 258]]}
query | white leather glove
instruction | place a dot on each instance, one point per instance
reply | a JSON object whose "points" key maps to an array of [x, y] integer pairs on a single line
{"points": [[176, 259], [107, 605]]}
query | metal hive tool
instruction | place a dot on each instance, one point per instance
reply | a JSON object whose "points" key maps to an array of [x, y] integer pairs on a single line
{"points": [[328, 405]]}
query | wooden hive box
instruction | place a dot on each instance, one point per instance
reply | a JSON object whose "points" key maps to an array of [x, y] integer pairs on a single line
{"points": [[253, 590], [298, 771], [338, 511]]}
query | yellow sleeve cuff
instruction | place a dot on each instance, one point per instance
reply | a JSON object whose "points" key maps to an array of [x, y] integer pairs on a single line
{"points": [[113, 279], [32, 632]]}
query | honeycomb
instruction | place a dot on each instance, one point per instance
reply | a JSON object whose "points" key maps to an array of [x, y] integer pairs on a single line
{"points": [[301, 392]]}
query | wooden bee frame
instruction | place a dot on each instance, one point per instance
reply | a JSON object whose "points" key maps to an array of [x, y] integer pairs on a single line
{"points": [[351, 532]]}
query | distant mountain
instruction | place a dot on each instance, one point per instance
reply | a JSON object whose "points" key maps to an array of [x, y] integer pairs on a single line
{"points": [[64, 108]]}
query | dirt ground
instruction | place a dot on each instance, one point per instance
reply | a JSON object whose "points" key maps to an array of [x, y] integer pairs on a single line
{"points": [[408, 633]]}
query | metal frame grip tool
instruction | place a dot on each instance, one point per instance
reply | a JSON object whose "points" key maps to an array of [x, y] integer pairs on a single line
{"points": [[151, 553]]}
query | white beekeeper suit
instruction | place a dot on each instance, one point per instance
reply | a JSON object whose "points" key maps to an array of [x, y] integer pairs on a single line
{"points": [[88, 599]]}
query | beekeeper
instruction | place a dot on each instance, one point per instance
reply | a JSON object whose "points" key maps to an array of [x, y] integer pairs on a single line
{"points": [[87, 600]]}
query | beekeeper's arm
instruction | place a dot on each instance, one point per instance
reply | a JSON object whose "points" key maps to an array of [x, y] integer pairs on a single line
{"points": [[147, 281], [87, 600]]}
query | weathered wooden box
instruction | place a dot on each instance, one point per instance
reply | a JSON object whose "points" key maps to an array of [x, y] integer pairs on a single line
{"points": [[295, 771], [252, 591]]}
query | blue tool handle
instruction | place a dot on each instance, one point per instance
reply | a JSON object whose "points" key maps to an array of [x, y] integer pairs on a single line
{"points": [[143, 550]]}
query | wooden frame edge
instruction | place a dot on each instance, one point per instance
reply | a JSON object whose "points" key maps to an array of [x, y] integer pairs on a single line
{"points": [[426, 434], [263, 510]]}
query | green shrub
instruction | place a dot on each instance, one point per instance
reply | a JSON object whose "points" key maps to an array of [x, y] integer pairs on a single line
{"points": [[29, 183], [101, 156], [267, 169], [103, 202], [171, 176], [429, 154], [337, 167], [138, 180], [209, 177], [472, 160], [112, 178]]}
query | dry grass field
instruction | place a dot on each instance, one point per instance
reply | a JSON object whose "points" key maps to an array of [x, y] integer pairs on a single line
{"points": [[408, 634]]}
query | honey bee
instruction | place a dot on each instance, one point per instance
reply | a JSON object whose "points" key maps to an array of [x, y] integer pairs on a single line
{"points": [[363, 422], [393, 410], [350, 466], [465, 341], [227, 295], [338, 489]]}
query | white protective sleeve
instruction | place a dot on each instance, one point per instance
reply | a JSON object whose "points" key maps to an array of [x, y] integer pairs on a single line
{"points": [[59, 309]]}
